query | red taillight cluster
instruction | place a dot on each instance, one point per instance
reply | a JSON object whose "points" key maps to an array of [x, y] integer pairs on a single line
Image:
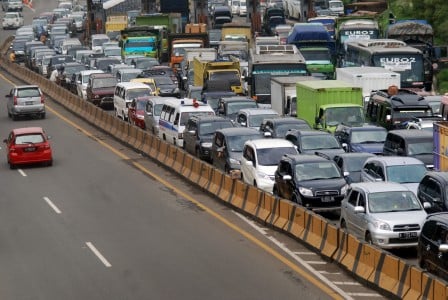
{"points": [[42, 99], [195, 103], [15, 100]]}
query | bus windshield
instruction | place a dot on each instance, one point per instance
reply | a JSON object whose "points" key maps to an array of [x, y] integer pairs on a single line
{"points": [[363, 34], [410, 66], [262, 75]]}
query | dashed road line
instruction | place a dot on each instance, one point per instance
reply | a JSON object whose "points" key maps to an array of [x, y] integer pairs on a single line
{"points": [[365, 295], [346, 283], [315, 262], [22, 172], [304, 253], [52, 205], [98, 254]]}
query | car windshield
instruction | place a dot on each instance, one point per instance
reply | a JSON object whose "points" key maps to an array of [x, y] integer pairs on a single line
{"points": [[10, 16], [256, 120], [99, 41], [112, 52], [127, 76], [141, 105], [406, 173], [271, 156], [354, 164], [233, 108], [29, 139], [209, 128], [317, 170], [235, 143], [281, 129], [163, 81], [420, 148], [135, 93], [31, 92], [104, 82], [74, 69], [383, 202], [365, 136], [316, 142]]}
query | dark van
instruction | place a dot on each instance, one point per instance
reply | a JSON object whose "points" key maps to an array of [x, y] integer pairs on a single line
{"points": [[413, 143]]}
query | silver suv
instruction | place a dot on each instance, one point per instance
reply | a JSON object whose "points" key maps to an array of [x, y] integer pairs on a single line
{"points": [[12, 5], [12, 20], [25, 100], [386, 214]]}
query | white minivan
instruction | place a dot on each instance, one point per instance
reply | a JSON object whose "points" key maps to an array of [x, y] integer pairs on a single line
{"points": [[124, 93], [97, 41]]}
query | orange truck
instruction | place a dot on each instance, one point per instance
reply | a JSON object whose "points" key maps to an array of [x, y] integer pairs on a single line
{"points": [[178, 42]]}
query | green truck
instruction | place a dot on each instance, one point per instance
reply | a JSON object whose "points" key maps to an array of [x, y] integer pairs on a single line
{"points": [[327, 103], [140, 40], [166, 24]]}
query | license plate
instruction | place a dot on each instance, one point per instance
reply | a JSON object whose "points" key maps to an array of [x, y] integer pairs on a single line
{"points": [[327, 199], [29, 103], [407, 235], [30, 149]]}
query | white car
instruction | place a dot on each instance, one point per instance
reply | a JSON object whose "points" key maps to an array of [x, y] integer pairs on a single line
{"points": [[260, 160], [12, 20], [294, 9]]}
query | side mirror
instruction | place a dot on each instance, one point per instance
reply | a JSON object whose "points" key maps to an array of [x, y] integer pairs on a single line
{"points": [[267, 134], [360, 209], [5, 141], [287, 177], [345, 147], [427, 205], [249, 163], [346, 174], [8, 96]]}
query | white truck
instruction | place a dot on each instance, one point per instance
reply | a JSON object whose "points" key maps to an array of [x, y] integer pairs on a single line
{"points": [[283, 94], [368, 78]]}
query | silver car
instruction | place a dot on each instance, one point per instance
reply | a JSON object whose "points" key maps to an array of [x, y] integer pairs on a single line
{"points": [[153, 110], [25, 100], [386, 214]]}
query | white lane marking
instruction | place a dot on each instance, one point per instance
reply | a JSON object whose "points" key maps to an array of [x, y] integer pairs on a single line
{"points": [[98, 254], [21, 172], [52, 205], [296, 258], [346, 282], [315, 262], [329, 273], [364, 295], [305, 253]]}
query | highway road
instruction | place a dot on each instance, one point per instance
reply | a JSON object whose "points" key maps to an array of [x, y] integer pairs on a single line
{"points": [[104, 222]]}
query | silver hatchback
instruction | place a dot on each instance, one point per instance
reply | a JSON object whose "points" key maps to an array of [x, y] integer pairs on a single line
{"points": [[386, 214], [25, 100]]}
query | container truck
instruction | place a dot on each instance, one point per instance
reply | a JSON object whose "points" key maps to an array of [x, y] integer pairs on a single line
{"points": [[283, 94], [116, 23], [368, 79], [178, 42], [327, 103]]}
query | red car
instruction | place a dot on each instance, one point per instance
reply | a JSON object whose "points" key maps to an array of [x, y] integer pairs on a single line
{"points": [[28, 145], [136, 112]]}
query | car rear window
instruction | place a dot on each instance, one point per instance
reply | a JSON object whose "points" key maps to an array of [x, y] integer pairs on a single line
{"points": [[28, 93], [29, 139]]}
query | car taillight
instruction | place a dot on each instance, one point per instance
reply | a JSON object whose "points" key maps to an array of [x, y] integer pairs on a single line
{"points": [[15, 100], [12, 150], [42, 99], [46, 146]]}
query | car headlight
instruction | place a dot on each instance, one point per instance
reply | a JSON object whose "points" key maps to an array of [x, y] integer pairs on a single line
{"points": [[234, 161], [381, 225], [344, 189], [206, 145], [263, 175], [305, 191]]}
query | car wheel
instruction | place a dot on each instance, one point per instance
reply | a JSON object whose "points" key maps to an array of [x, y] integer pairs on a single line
{"points": [[12, 166], [296, 199], [226, 169], [369, 238], [9, 115], [422, 264], [14, 117], [42, 115]]}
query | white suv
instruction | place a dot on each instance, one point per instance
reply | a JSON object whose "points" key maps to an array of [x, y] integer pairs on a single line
{"points": [[260, 160], [12, 20]]}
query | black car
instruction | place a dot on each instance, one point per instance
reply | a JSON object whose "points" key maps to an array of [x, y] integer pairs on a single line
{"points": [[166, 87], [228, 107], [351, 164], [432, 191], [227, 147], [278, 127], [432, 245], [315, 142], [311, 181], [198, 134], [365, 138]]}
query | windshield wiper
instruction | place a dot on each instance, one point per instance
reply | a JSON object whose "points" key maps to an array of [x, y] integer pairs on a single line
{"points": [[370, 142]]}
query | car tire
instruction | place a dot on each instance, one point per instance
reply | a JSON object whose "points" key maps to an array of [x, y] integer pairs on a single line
{"points": [[50, 163], [14, 117], [42, 115], [368, 238], [12, 166], [296, 199]]}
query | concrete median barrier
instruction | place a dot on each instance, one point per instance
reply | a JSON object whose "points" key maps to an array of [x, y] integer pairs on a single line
{"points": [[205, 174], [330, 240], [179, 157], [282, 213], [216, 182], [296, 221], [228, 191]]}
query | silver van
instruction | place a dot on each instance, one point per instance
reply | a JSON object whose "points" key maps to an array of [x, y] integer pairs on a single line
{"points": [[25, 100]]}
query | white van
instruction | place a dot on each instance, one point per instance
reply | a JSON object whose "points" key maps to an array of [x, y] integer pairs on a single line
{"points": [[174, 116], [97, 41], [69, 43], [124, 93]]}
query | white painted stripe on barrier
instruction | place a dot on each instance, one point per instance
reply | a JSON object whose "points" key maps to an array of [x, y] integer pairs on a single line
{"points": [[346, 283]]}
